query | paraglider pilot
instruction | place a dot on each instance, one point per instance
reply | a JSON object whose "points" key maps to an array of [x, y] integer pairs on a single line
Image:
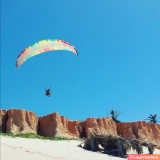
{"points": [[48, 92]]}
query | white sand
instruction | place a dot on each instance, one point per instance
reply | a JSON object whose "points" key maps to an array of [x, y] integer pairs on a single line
{"points": [[35, 149]]}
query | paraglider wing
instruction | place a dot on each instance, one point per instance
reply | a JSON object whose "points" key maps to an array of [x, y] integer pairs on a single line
{"points": [[44, 46]]}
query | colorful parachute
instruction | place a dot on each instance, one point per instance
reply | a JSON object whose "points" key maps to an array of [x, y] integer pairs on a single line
{"points": [[44, 46]]}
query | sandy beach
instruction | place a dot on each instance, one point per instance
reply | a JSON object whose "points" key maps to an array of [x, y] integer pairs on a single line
{"points": [[28, 149]]}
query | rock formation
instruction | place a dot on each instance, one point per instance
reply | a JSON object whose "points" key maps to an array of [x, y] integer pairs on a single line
{"points": [[21, 121], [76, 128], [126, 130], [140, 130], [53, 125], [3, 118], [104, 126]]}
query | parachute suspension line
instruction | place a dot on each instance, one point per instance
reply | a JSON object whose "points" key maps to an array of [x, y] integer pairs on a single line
{"points": [[51, 86]]}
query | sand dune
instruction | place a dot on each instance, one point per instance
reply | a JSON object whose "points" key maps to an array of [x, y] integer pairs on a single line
{"points": [[35, 149]]}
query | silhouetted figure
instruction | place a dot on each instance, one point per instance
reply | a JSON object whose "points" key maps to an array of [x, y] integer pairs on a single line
{"points": [[48, 92]]}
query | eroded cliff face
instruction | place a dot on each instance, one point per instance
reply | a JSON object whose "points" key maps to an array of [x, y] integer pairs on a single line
{"points": [[140, 130], [105, 126], [21, 121], [3, 119], [76, 128], [125, 130], [53, 125]]}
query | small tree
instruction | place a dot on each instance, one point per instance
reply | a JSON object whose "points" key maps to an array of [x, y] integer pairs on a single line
{"points": [[115, 114], [152, 118]]}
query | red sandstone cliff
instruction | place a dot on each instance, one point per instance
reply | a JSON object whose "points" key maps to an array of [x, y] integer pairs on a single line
{"points": [[20, 121], [3, 117], [105, 126], [140, 130], [59, 126]]}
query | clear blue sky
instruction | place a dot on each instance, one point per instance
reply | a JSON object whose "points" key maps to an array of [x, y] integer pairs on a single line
{"points": [[118, 66]]}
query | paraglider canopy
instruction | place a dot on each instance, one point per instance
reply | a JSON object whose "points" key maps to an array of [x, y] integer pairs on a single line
{"points": [[44, 46]]}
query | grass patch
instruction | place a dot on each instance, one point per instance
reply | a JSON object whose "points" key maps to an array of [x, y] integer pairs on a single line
{"points": [[7, 134], [35, 136]]}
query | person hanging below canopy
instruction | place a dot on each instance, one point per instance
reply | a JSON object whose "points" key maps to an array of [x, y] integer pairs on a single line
{"points": [[48, 92]]}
